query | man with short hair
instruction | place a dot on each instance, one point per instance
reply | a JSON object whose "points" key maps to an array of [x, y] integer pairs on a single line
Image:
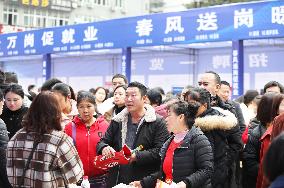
{"points": [[225, 91], [225, 94], [136, 125], [273, 86], [117, 80], [211, 81]]}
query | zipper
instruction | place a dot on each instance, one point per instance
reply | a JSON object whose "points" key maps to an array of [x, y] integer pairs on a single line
{"points": [[138, 131], [173, 167], [88, 156]]}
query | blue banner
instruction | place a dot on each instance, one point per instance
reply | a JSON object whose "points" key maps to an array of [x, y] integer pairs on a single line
{"points": [[219, 23]]}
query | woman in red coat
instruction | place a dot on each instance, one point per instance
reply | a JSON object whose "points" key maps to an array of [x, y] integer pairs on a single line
{"points": [[86, 131]]}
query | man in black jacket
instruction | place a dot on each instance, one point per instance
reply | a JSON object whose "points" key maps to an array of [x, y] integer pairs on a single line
{"points": [[224, 93], [211, 82], [136, 125]]}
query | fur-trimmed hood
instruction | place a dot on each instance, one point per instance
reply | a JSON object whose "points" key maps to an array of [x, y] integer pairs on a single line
{"points": [[122, 117], [225, 120]]}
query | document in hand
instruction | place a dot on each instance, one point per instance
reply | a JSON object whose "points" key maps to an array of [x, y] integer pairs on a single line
{"points": [[120, 158]]}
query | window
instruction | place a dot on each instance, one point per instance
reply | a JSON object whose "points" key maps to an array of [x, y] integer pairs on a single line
{"points": [[43, 18], [10, 15], [101, 2], [119, 3]]}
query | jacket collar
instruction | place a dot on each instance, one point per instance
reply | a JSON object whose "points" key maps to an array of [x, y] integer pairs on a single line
{"points": [[221, 120], [184, 143], [150, 115], [122, 117]]}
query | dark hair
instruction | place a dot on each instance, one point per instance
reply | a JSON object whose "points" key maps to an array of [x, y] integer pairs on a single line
{"points": [[276, 103], [273, 165], [11, 77], [73, 96], [123, 86], [120, 76], [257, 99], [103, 89], [198, 94], [30, 87], [160, 90], [86, 95], [264, 109], [2, 77], [154, 97], [92, 90], [273, 84], [48, 84], [240, 99], [62, 88], [249, 96], [223, 82], [15, 88], [44, 114], [217, 77], [141, 87], [188, 109]]}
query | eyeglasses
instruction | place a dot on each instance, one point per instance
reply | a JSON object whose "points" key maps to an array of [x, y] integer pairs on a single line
{"points": [[203, 83]]}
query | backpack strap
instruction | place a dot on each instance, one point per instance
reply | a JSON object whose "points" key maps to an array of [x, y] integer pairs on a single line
{"points": [[35, 144], [74, 133]]}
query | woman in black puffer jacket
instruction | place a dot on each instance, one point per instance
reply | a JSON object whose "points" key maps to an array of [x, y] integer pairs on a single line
{"points": [[14, 109], [187, 157]]}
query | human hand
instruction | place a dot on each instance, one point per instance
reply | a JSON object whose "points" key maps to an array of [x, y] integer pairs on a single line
{"points": [[108, 151], [132, 158], [136, 184], [181, 185]]}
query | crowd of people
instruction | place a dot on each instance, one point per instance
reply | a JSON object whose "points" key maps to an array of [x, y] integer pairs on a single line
{"points": [[200, 138]]}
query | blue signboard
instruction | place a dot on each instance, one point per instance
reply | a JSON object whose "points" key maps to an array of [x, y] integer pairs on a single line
{"points": [[220, 23]]}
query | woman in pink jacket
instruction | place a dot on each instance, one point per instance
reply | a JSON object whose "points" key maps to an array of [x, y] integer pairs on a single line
{"points": [[86, 131]]}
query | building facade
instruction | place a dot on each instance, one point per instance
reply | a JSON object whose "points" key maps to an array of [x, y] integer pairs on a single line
{"points": [[18, 15]]}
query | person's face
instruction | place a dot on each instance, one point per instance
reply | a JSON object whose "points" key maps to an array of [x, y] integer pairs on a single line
{"points": [[208, 82], [34, 90], [173, 121], [100, 95], [133, 99], [119, 96], [117, 82], [273, 89], [1, 106], [64, 102], [224, 92], [86, 110], [281, 107], [13, 101]]}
